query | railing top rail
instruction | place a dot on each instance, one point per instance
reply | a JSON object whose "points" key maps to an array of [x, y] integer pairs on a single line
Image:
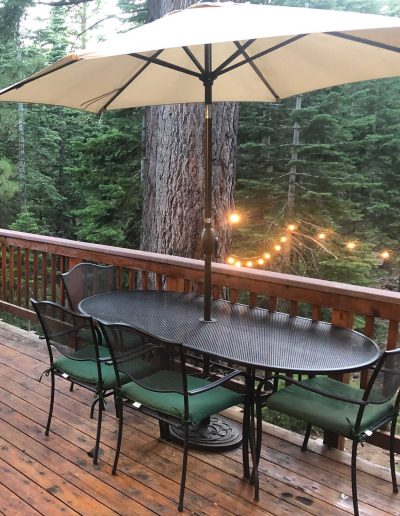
{"points": [[224, 275]]}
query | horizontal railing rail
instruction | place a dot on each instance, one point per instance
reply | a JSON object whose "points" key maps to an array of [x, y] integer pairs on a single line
{"points": [[30, 267]]}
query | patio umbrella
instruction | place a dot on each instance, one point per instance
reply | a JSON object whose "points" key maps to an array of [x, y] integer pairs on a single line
{"points": [[214, 52]]}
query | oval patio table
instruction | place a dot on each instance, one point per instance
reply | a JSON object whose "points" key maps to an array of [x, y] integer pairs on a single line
{"points": [[253, 337]]}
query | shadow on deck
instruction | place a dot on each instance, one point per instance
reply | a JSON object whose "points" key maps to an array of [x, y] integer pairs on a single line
{"points": [[54, 475]]}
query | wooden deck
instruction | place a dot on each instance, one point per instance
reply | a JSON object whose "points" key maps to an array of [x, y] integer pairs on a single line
{"points": [[54, 475]]}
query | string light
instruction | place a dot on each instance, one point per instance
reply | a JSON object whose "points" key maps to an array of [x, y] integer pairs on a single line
{"points": [[266, 256], [234, 218]]}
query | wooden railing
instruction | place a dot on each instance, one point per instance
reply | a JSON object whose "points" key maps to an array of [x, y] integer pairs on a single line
{"points": [[30, 267]]}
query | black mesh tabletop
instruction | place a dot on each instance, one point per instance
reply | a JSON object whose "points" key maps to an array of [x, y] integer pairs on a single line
{"points": [[243, 335]]}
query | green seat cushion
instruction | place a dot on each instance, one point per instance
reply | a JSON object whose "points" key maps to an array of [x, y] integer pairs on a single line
{"points": [[201, 405], [327, 413], [86, 370]]}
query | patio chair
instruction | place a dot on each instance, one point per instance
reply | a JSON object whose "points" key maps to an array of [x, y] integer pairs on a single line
{"points": [[88, 279], [340, 408], [81, 359], [167, 392]]}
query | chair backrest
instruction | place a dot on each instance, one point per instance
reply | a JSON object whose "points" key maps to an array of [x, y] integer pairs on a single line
{"points": [[385, 380], [88, 279], [71, 334], [153, 363]]}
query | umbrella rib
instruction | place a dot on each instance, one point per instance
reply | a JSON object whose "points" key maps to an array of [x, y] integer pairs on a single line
{"points": [[237, 53], [166, 64], [258, 72], [364, 41], [264, 53], [194, 59], [128, 82], [36, 77]]}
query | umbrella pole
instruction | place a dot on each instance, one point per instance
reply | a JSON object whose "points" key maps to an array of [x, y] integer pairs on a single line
{"points": [[208, 239]]}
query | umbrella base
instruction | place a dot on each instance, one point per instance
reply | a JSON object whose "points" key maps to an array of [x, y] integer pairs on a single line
{"points": [[215, 434]]}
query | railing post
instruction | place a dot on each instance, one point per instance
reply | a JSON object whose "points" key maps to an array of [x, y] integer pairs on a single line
{"points": [[175, 284]]}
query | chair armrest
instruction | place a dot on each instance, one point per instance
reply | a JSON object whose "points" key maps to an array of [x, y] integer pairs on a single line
{"points": [[214, 384], [309, 388], [129, 355]]}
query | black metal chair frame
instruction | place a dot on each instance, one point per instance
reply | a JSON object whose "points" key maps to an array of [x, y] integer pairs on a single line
{"points": [[165, 420], [358, 437], [99, 393], [85, 266]]}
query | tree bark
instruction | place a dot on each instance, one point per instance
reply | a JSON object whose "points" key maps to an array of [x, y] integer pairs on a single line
{"points": [[21, 156], [173, 170], [293, 167]]}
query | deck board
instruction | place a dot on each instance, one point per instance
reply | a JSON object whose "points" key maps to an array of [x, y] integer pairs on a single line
{"points": [[55, 475]]}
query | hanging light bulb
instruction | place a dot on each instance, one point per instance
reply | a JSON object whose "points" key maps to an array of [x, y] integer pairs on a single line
{"points": [[238, 263], [260, 261], [249, 263], [385, 255], [291, 227], [350, 245], [234, 218], [283, 240], [277, 247], [267, 256], [321, 236], [230, 260]]}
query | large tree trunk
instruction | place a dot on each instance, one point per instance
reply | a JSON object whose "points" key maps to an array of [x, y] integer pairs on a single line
{"points": [[173, 170]]}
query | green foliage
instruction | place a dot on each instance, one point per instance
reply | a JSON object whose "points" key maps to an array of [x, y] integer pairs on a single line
{"points": [[27, 222], [8, 190], [82, 173], [109, 175], [8, 187], [346, 166]]}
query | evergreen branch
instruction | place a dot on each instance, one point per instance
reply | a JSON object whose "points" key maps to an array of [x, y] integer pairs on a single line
{"points": [[64, 3], [109, 17]]}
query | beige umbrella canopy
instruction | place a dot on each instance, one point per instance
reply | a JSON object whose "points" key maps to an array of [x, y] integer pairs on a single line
{"points": [[220, 52]]}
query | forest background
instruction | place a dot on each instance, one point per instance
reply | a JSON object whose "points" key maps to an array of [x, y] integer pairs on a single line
{"points": [[327, 162]]}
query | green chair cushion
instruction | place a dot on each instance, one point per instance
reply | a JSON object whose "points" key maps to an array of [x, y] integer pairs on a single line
{"points": [[86, 370], [201, 405], [333, 415]]}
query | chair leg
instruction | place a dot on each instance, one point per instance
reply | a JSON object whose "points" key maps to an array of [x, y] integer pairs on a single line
{"points": [[354, 477], [97, 400], [184, 467], [120, 409], [115, 405], [98, 433], [71, 387], [391, 452], [52, 389], [163, 426], [306, 437]]}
